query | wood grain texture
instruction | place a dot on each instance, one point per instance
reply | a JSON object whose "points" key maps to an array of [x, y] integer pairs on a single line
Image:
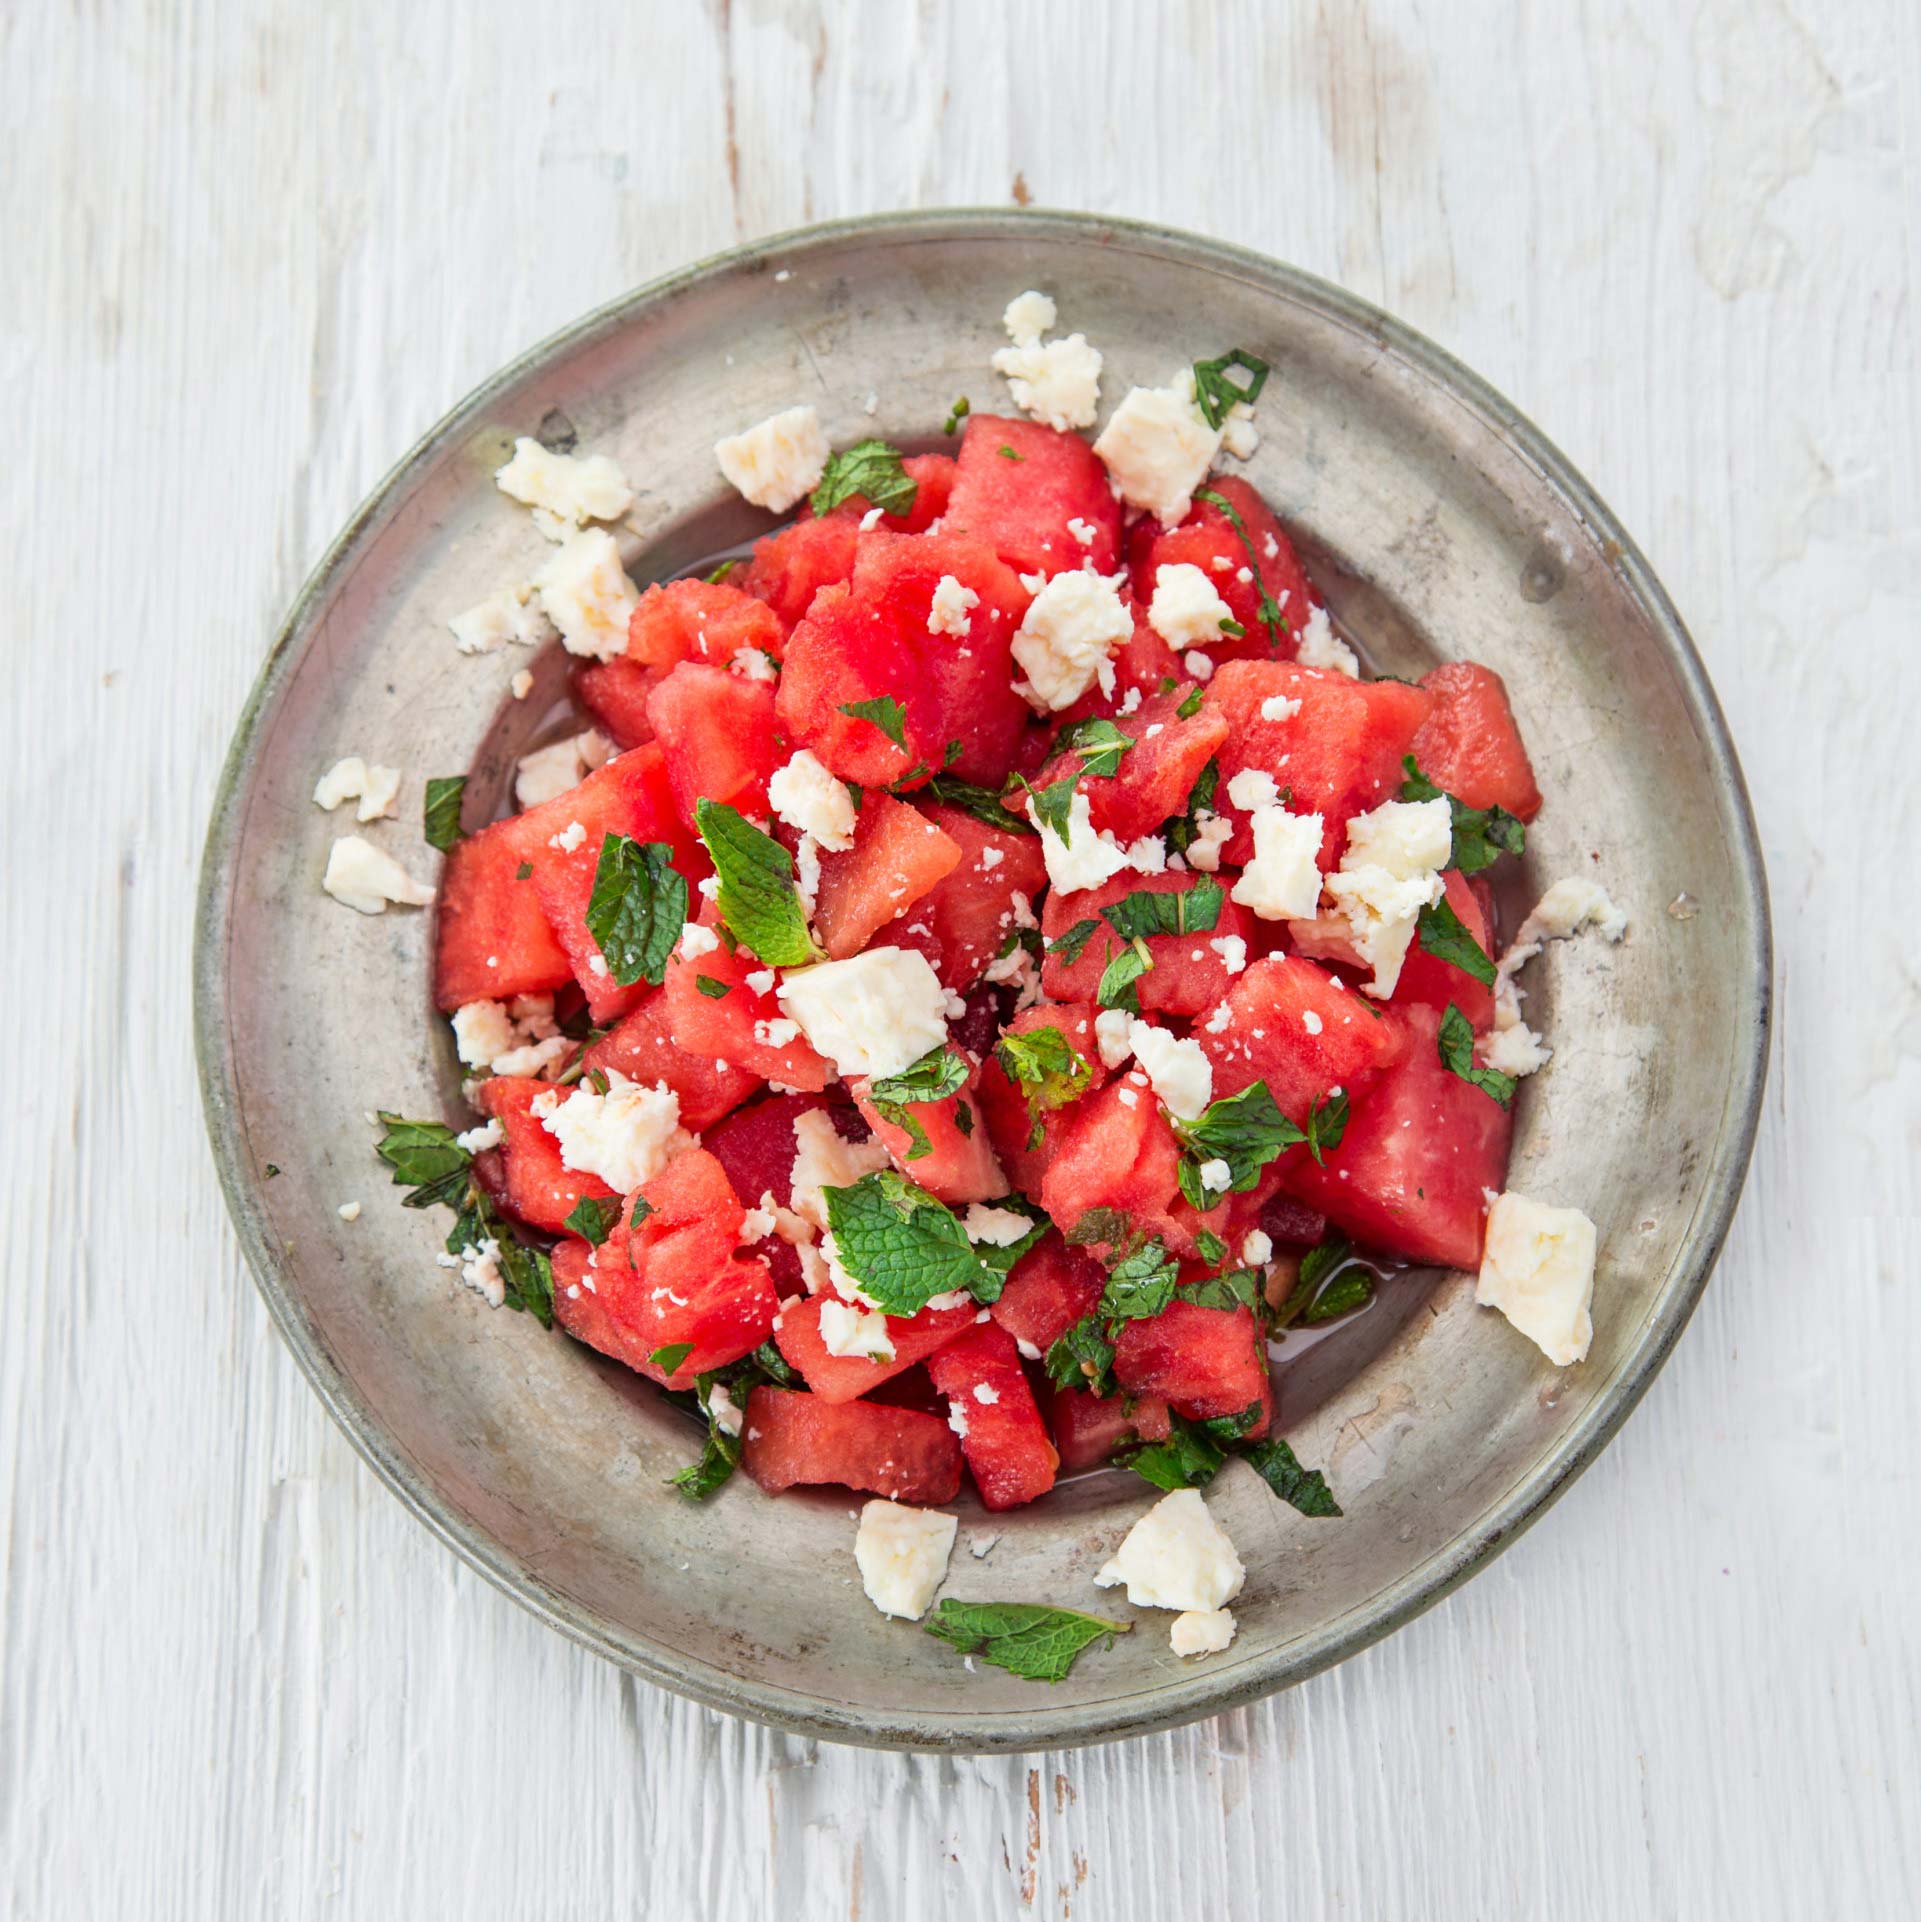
{"points": [[252, 250]]}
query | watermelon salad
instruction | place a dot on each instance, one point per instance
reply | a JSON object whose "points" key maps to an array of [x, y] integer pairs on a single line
{"points": [[992, 971]]}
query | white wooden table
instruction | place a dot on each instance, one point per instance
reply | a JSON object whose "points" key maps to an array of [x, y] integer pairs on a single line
{"points": [[250, 251]]}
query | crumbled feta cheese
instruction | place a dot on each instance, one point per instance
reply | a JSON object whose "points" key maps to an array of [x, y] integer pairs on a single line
{"points": [[1257, 1247], [1283, 881], [1211, 833], [1565, 909], [587, 595], [348, 1211], [957, 1419], [985, 1395], [1390, 871], [849, 1330], [1186, 611], [814, 801], [1201, 1631], [777, 461], [724, 1410], [533, 1059], [952, 609], [1182, 1075], [486, 1030], [1148, 855], [697, 940], [902, 1556], [778, 1033], [1131, 701], [823, 1158], [1065, 637], [1086, 533], [751, 664], [761, 981], [480, 1270], [514, 614], [362, 877], [522, 684], [625, 1136], [873, 1014], [1216, 1023], [1217, 1176], [569, 838], [807, 872], [1537, 1268], [1157, 448], [1058, 382], [996, 1227], [1085, 859], [1176, 1556], [1253, 788], [477, 1141], [371, 784], [1311, 1021], [1280, 707], [550, 771], [1111, 1036], [1321, 647], [1232, 948], [565, 490]]}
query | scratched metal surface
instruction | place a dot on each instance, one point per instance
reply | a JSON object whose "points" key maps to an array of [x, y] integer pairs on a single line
{"points": [[253, 255]]}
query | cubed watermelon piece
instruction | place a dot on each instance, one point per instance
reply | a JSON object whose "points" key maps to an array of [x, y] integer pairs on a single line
{"points": [[1048, 1290], [1020, 502], [897, 856], [791, 566], [716, 729], [537, 1187], [1156, 775], [1009, 1452], [1410, 1174], [745, 1027], [1206, 539], [843, 1377], [968, 913], [583, 1301], [955, 1162], [643, 1048], [629, 796], [756, 1146], [1469, 744], [1340, 752], [1190, 972], [1293, 1025], [897, 1453], [491, 940], [1089, 1428], [1116, 1150], [1010, 1121], [1205, 1362], [698, 620], [615, 693], [1428, 979]]}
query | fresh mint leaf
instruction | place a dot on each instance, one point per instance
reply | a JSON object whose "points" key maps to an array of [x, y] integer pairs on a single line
{"points": [[1302, 1488], [1240, 1288], [1191, 705], [1269, 609], [937, 1074], [1117, 983], [1227, 1429], [669, 1358], [1139, 1286], [1188, 1458], [528, 1275], [1352, 1289], [758, 899], [1481, 835], [1109, 1225], [885, 712], [1326, 1124], [1007, 453], [525, 871], [1043, 1064], [718, 1460], [1456, 1048], [956, 414], [1098, 742], [1183, 829], [773, 1364], [441, 815], [1210, 1247], [714, 990], [1246, 1130], [1216, 395], [901, 1245], [1330, 1276], [1070, 946], [1082, 1357], [1444, 936], [873, 470], [964, 1118], [593, 1219], [981, 802], [637, 909], [1054, 803], [1144, 913], [1028, 1639], [426, 1158]]}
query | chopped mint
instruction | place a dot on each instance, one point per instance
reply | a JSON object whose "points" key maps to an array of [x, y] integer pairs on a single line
{"points": [[441, 815], [1189, 910], [1246, 1130], [1456, 1048], [885, 712], [1444, 935], [873, 470], [1117, 983], [902, 1246], [1070, 945], [637, 909], [426, 1158], [669, 1358], [1082, 1358], [956, 414], [1044, 1065], [936, 1075], [1027, 1639], [593, 1219], [1269, 609], [1139, 1285], [758, 899], [981, 802], [713, 989], [1304, 1488], [1216, 395]]}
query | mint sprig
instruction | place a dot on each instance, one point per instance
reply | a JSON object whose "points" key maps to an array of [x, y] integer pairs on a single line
{"points": [[1268, 608], [981, 802], [1216, 395], [1028, 1639], [1043, 1064], [902, 1246], [1118, 987], [939, 1073], [1302, 1488], [1145, 913], [885, 712], [637, 909], [758, 899]]}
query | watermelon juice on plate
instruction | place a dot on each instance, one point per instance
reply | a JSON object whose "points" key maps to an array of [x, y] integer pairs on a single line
{"points": [[993, 967]]}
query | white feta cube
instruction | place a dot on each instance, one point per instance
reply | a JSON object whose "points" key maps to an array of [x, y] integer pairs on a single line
{"points": [[1176, 1556], [1283, 881], [568, 490], [815, 802], [1201, 1631], [902, 1556], [778, 460], [363, 877], [625, 1136], [873, 1014], [1182, 1076], [585, 592], [1537, 1268], [1157, 448], [513, 615], [372, 785], [1066, 636], [1321, 647], [1186, 611]]}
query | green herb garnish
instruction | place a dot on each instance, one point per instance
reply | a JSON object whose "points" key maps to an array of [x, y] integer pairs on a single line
{"points": [[1025, 1638], [1216, 395], [637, 909], [873, 470], [441, 815], [758, 899], [1445, 936], [1456, 1047]]}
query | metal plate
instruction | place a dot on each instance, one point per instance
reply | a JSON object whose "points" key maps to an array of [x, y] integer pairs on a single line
{"points": [[1440, 524]]}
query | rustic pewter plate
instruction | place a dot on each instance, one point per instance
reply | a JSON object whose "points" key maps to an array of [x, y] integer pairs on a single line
{"points": [[1440, 524]]}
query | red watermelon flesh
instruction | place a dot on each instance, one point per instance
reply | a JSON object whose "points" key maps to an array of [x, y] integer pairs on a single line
{"points": [[1207, 1362], [1049, 1289], [897, 856], [1089, 1428], [1020, 502], [1189, 973], [615, 693], [898, 1453], [957, 1163], [791, 566], [1469, 745], [1156, 775], [491, 940], [969, 911], [746, 1027], [1115, 1150], [1010, 1122], [696, 620], [643, 1048], [537, 1186], [717, 731], [843, 1377], [1006, 1444]]}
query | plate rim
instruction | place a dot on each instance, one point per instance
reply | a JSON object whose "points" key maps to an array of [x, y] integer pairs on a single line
{"points": [[1199, 1694]]}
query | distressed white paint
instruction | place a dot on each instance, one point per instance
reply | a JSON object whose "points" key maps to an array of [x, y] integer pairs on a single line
{"points": [[251, 251]]}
